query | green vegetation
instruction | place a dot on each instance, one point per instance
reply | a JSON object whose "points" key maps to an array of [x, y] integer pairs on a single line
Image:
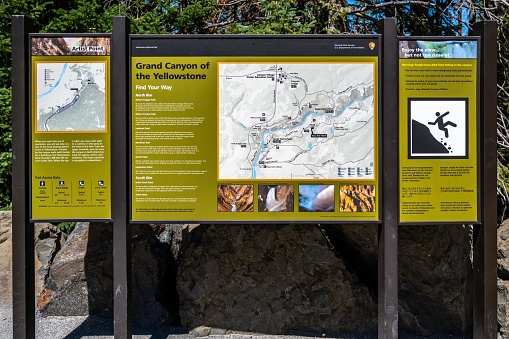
{"points": [[440, 17], [66, 226]]}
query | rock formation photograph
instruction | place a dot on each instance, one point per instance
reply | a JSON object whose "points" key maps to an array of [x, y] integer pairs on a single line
{"points": [[235, 198], [357, 198]]}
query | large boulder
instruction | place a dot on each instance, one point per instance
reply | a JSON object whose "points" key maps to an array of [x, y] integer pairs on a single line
{"points": [[67, 290], [275, 279], [435, 279], [434, 273], [270, 279], [80, 280]]}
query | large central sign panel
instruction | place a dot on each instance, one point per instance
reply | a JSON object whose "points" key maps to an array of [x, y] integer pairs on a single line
{"points": [[253, 125]]}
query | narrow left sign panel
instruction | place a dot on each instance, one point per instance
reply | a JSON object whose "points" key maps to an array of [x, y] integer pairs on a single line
{"points": [[70, 128]]}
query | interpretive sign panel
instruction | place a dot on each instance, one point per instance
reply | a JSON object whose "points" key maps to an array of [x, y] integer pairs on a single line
{"points": [[254, 125], [438, 130], [70, 139]]}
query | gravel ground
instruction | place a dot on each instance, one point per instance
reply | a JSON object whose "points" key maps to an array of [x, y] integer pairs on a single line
{"points": [[101, 328], [93, 327]]}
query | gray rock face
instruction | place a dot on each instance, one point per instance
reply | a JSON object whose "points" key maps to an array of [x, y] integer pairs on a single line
{"points": [[80, 280], [503, 278], [66, 290], [274, 279], [435, 280], [434, 273], [503, 307], [270, 279], [48, 240], [5, 258], [155, 252]]}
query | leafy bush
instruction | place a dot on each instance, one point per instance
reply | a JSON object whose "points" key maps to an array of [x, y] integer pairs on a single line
{"points": [[67, 226]]}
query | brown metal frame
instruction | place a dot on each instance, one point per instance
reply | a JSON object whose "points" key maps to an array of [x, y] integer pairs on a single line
{"points": [[122, 290], [485, 235], [23, 266], [388, 230]]}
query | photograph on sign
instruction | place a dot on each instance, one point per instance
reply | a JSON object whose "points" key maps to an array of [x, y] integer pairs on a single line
{"points": [[438, 128], [235, 198], [275, 198], [357, 198], [316, 198]]}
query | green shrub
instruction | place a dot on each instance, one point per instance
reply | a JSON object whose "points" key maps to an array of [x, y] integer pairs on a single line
{"points": [[67, 226]]}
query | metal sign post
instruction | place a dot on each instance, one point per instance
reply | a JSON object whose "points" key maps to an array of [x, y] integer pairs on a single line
{"points": [[23, 275], [121, 228], [485, 234], [388, 231]]}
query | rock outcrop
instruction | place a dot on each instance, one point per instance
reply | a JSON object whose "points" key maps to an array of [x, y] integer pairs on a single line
{"points": [[48, 240], [435, 279], [434, 273], [80, 280], [262, 278], [503, 278], [270, 279], [256, 278], [6, 258]]}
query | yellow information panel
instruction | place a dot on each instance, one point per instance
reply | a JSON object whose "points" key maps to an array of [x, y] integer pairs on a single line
{"points": [[70, 132], [235, 138], [438, 131]]}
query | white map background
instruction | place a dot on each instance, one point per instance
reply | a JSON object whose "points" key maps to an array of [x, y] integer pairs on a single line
{"points": [[296, 120], [71, 96]]}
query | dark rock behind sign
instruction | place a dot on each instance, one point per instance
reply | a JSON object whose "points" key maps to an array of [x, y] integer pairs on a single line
{"points": [[80, 280], [48, 240], [275, 279], [434, 273], [435, 279], [270, 279]]}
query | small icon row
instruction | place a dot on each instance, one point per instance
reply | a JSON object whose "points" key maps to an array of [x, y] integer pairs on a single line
{"points": [[62, 183]]}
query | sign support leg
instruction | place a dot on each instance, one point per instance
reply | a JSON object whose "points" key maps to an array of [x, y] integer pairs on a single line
{"points": [[23, 275], [485, 235], [122, 292], [388, 231]]}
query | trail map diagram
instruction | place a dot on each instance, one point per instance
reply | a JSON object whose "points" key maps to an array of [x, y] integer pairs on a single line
{"points": [[296, 120], [71, 96]]}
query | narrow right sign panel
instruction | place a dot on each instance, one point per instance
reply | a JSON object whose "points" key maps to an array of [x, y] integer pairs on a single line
{"points": [[438, 117]]}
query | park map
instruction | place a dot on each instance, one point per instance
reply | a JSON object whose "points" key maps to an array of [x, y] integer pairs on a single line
{"points": [[296, 120]]}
